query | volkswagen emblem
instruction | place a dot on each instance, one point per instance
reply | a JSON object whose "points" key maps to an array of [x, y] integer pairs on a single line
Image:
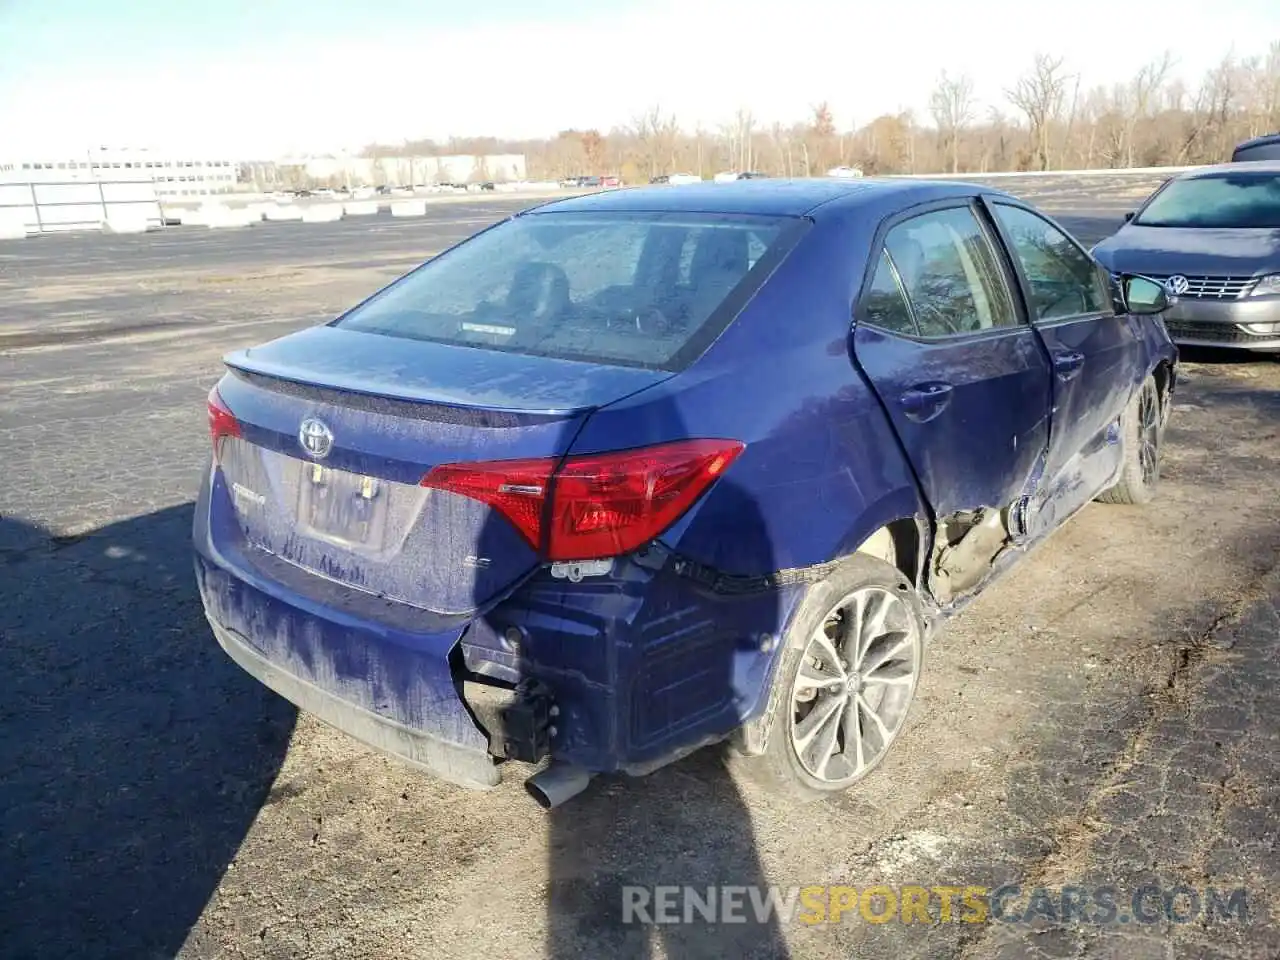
{"points": [[1177, 285], [316, 438]]}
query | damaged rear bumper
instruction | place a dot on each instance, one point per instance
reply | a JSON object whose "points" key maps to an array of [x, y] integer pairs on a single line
{"points": [[461, 765]]}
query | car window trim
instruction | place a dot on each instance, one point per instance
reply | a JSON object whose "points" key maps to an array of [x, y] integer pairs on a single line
{"points": [[967, 202], [989, 203]]}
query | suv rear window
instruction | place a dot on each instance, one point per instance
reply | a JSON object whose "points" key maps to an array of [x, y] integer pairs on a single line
{"points": [[648, 290], [1239, 200]]}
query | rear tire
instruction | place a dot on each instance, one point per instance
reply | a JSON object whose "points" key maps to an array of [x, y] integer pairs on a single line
{"points": [[844, 684], [1141, 433]]}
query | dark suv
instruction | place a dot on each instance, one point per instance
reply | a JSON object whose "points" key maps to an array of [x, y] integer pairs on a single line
{"points": [[1259, 148]]}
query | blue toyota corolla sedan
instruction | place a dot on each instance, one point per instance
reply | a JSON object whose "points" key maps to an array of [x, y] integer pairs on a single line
{"points": [[628, 474]]}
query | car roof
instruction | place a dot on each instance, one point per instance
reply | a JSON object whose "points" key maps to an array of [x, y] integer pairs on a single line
{"points": [[1266, 138], [1238, 166], [766, 197]]}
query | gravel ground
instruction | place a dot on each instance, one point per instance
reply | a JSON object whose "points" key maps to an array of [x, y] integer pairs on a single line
{"points": [[1103, 717]]}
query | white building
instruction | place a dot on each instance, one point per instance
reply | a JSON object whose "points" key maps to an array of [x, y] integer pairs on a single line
{"points": [[173, 175], [411, 171]]}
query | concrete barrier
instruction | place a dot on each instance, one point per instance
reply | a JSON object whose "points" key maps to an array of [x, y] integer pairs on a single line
{"points": [[360, 208], [126, 223], [322, 213], [283, 212], [220, 217], [408, 208], [13, 224], [260, 208]]}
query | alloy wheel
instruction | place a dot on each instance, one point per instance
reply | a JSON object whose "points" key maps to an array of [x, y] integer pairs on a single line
{"points": [[1149, 435], [854, 685]]}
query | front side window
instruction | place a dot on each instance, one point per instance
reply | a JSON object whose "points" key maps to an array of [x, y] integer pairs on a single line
{"points": [[1225, 200], [1064, 280], [624, 288], [950, 273]]}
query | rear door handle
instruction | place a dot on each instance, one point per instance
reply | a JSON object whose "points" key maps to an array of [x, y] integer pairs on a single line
{"points": [[1067, 363], [925, 401]]}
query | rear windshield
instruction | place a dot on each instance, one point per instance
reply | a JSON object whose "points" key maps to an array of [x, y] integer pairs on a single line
{"points": [[631, 289], [1224, 200]]}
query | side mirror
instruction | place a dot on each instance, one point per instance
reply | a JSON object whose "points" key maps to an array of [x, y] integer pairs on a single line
{"points": [[1128, 216], [1144, 296]]}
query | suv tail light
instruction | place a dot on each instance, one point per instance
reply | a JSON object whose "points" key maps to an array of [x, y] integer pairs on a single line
{"points": [[222, 423], [592, 506]]}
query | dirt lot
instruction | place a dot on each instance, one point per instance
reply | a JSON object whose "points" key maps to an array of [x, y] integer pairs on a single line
{"points": [[1104, 717]]}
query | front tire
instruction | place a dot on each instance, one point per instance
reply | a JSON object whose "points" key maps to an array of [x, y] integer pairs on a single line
{"points": [[845, 682], [1141, 433]]}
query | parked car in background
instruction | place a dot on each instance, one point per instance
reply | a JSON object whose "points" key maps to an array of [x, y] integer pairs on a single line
{"points": [[844, 172], [661, 178], [588, 181], [683, 178], [610, 181], [570, 181], [514, 505], [752, 175], [1212, 237], [1259, 148]]}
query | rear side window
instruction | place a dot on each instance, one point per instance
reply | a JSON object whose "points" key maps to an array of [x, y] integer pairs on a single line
{"points": [[950, 273], [632, 289], [886, 304]]}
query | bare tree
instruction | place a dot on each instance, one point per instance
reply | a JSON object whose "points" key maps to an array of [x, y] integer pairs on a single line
{"points": [[1152, 118], [1142, 93], [821, 139], [657, 133], [1039, 95], [952, 107], [593, 149]]}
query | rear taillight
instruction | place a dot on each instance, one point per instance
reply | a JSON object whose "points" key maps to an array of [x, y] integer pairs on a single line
{"points": [[221, 421], [600, 505]]}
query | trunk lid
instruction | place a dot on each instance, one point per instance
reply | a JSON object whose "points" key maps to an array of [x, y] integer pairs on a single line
{"points": [[338, 428]]}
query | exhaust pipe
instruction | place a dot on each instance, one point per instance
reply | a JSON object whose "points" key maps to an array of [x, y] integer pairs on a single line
{"points": [[557, 783]]}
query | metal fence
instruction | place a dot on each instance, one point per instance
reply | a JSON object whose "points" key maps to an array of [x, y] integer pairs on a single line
{"points": [[80, 205]]}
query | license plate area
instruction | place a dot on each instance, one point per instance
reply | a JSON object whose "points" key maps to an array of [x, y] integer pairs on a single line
{"points": [[343, 508]]}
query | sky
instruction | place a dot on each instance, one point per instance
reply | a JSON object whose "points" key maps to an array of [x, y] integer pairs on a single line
{"points": [[257, 79]]}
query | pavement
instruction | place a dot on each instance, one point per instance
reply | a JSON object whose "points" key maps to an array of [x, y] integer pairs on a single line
{"points": [[1103, 718]]}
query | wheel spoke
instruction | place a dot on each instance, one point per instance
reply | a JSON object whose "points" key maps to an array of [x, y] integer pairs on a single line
{"points": [[855, 617], [1147, 459], [868, 669], [852, 724], [826, 651], [888, 681], [812, 677], [825, 743], [875, 720], [818, 717], [872, 628]]}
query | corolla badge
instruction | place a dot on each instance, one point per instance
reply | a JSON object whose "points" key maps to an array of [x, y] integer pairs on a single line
{"points": [[316, 438], [1177, 285]]}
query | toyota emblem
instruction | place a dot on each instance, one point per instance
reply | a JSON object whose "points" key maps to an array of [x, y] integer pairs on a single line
{"points": [[316, 438], [1177, 285]]}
